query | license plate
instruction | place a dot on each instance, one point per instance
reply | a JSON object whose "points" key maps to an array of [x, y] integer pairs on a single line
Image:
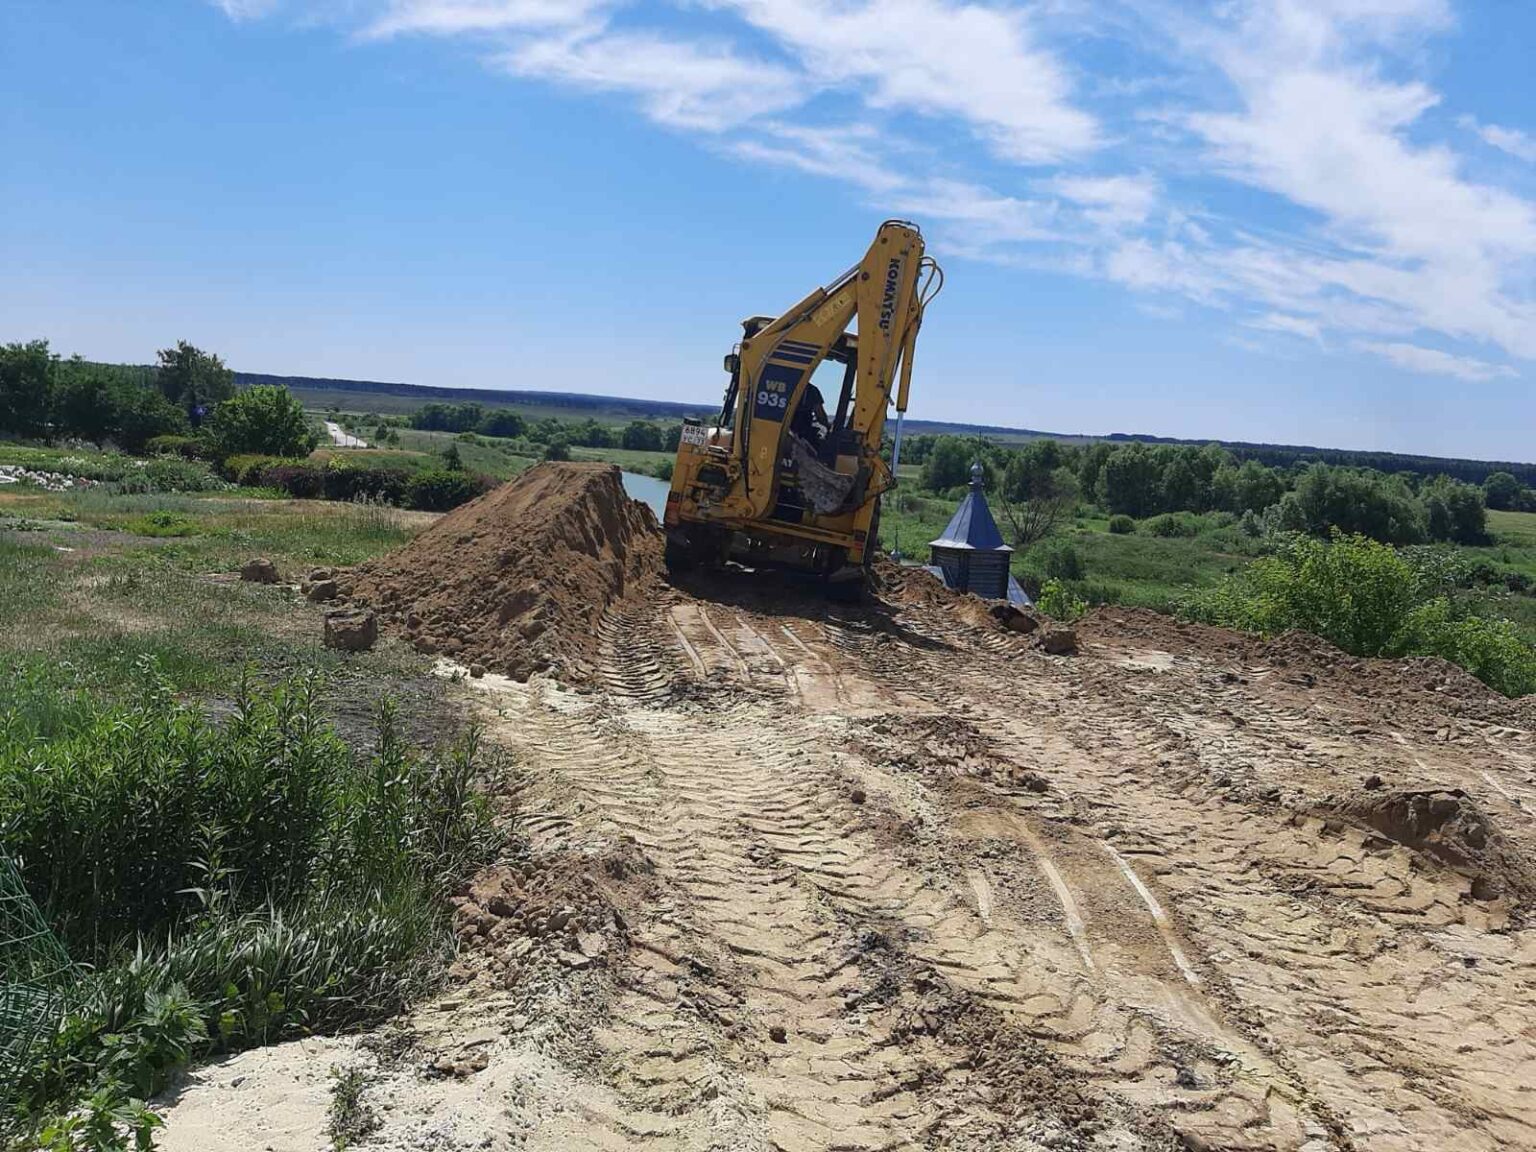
{"points": [[695, 434]]}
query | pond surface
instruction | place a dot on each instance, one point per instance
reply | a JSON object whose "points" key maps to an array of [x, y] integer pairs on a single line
{"points": [[647, 490]]}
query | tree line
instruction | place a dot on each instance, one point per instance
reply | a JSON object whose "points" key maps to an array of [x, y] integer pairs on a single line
{"points": [[187, 395], [1141, 480], [637, 435]]}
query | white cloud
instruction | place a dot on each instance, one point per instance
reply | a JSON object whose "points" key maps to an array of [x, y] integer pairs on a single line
{"points": [[1110, 201], [977, 64], [1518, 144], [456, 17], [240, 10], [1357, 224], [1433, 362], [849, 153], [685, 84], [1303, 326]]}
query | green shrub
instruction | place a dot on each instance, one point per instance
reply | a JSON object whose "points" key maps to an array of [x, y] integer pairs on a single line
{"points": [[1370, 600], [1121, 525], [1173, 525], [190, 447], [1491, 650], [162, 524], [246, 468], [1059, 559], [230, 882], [1058, 601], [438, 491], [557, 450], [169, 474], [265, 419]]}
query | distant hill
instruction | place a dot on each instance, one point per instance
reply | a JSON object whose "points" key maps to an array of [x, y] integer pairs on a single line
{"points": [[386, 397]]}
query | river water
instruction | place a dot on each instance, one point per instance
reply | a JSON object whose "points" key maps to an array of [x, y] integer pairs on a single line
{"points": [[647, 490]]}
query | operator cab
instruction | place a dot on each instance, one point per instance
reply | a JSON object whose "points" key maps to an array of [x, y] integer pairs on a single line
{"points": [[828, 433]]}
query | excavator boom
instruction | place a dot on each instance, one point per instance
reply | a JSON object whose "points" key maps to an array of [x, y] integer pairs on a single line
{"points": [[779, 480]]}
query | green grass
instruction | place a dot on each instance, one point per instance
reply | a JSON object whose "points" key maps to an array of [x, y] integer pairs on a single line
{"points": [[230, 882], [628, 459]]}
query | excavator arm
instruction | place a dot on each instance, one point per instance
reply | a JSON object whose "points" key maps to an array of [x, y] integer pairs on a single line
{"points": [[777, 362]]}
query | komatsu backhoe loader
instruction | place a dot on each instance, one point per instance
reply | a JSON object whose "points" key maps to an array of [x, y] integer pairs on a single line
{"points": [[777, 481]]}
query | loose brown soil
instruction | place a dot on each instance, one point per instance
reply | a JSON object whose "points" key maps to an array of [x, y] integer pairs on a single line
{"points": [[519, 579], [797, 875]]}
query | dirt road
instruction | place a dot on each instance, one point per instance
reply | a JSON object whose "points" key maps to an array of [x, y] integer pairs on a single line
{"points": [[801, 877]]}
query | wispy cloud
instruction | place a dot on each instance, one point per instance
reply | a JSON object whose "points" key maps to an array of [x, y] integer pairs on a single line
{"points": [[977, 65], [1433, 362], [458, 17], [239, 10], [1358, 225], [1521, 145]]}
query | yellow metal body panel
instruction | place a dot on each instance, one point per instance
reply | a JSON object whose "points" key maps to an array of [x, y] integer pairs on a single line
{"points": [[736, 478]]}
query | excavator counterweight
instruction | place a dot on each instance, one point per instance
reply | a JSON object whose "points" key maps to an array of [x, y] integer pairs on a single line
{"points": [[778, 480]]}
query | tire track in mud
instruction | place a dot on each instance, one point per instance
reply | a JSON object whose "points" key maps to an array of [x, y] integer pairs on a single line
{"points": [[1326, 945], [781, 897], [945, 929]]}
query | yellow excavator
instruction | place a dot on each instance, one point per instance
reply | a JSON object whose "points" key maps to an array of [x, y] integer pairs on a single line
{"points": [[779, 482]]}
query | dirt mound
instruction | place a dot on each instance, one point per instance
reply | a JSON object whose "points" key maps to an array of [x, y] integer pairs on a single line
{"points": [[1448, 825], [519, 579]]}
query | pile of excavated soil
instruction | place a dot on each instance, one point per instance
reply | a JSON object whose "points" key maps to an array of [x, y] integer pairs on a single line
{"points": [[1450, 826], [519, 579]]}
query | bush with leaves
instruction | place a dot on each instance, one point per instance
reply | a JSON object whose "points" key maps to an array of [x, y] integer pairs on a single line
{"points": [[1059, 602], [1058, 559], [1121, 525], [440, 491], [1370, 600], [266, 419], [169, 474]]}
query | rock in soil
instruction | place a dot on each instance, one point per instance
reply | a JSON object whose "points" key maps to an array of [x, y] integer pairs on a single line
{"points": [[259, 571], [320, 591], [1059, 641], [351, 630]]}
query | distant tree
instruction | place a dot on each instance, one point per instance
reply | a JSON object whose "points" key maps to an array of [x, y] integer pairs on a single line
{"points": [[1502, 491], [557, 450], [451, 458], [26, 383], [1130, 481], [1179, 486], [439, 417], [641, 436], [139, 414], [84, 404], [670, 439], [194, 380], [1090, 467], [266, 419], [948, 464], [1454, 512], [1029, 471], [591, 434], [1051, 500], [1355, 502], [503, 422]]}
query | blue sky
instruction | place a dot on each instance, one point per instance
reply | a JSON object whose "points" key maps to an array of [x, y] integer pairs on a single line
{"points": [[1287, 220]]}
